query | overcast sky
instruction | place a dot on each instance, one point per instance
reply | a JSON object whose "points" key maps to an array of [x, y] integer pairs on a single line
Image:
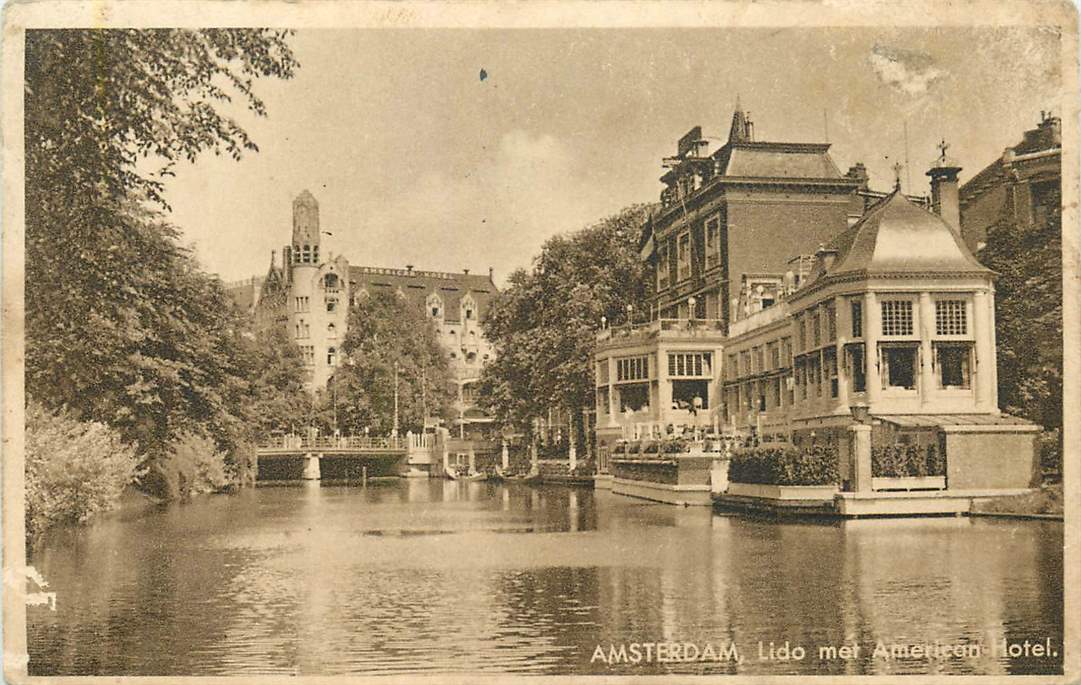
{"points": [[416, 160]]}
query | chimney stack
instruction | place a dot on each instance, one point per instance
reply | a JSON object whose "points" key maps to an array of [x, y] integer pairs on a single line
{"points": [[465, 271], [491, 273], [409, 269], [944, 195]]}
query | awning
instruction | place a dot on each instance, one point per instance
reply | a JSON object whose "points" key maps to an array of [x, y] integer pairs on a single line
{"points": [[937, 420]]}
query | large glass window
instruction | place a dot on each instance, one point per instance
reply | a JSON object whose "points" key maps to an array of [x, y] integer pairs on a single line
{"points": [[632, 368], [692, 395], [897, 317], [953, 362], [713, 242], [662, 267], [633, 396], [829, 358], [899, 366], [683, 255], [690, 364], [857, 319], [857, 367]]}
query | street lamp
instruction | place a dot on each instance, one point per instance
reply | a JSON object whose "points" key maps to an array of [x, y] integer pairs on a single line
{"points": [[394, 432]]}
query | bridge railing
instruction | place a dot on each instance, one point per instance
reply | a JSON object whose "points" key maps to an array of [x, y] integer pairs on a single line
{"points": [[363, 442]]}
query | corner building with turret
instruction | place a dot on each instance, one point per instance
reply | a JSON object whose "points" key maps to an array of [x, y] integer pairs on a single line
{"points": [[310, 293]]}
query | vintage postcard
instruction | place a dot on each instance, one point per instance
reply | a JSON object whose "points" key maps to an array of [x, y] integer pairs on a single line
{"points": [[475, 342]]}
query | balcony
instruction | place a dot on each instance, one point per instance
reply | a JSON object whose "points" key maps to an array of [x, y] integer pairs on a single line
{"points": [[664, 329]]}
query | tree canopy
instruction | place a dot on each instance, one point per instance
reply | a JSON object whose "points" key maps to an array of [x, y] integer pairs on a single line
{"points": [[1028, 314], [122, 326], [386, 332], [543, 325]]}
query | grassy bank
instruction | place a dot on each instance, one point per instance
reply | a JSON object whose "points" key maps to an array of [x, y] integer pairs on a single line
{"points": [[1046, 500]]}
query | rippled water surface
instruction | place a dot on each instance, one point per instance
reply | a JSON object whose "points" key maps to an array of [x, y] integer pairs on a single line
{"points": [[437, 576]]}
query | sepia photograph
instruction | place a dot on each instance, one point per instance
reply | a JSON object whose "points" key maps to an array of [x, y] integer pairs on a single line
{"points": [[454, 342]]}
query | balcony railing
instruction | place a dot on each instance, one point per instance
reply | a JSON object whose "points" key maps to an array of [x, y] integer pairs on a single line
{"points": [[302, 442], [677, 328]]}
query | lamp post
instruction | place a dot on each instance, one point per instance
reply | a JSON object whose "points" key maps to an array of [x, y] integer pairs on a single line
{"points": [[394, 431]]}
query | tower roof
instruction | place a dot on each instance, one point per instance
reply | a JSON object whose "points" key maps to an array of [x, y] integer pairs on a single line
{"points": [[739, 131], [899, 236], [305, 198]]}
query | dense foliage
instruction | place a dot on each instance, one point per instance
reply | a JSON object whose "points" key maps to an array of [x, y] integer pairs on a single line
{"points": [[900, 461], [543, 325], [784, 465], [1028, 317], [122, 326], [387, 332], [74, 469]]}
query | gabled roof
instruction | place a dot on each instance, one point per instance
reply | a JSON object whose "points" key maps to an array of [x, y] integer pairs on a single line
{"points": [[899, 236]]}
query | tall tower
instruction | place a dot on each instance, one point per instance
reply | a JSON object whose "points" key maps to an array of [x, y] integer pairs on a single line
{"points": [[305, 229], [303, 265]]}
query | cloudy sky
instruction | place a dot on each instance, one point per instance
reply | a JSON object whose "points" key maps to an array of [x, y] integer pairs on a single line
{"points": [[417, 160]]}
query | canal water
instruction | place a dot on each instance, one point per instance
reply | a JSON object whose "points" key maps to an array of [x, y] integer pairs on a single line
{"points": [[417, 576]]}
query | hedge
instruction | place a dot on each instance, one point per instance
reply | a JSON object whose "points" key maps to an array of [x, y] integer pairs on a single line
{"points": [[901, 461], [784, 465]]}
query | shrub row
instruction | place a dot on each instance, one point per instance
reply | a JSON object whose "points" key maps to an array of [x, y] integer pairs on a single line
{"points": [[784, 465], [644, 448], [901, 461]]}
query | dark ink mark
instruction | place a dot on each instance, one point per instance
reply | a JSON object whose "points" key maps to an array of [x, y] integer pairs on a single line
{"points": [[483, 74]]}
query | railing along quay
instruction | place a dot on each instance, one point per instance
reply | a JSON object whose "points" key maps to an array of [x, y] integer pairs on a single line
{"points": [[330, 442]]}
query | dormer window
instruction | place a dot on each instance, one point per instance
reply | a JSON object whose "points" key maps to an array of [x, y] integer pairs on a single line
{"points": [[434, 305]]}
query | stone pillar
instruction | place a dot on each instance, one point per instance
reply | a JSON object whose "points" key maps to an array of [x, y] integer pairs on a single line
{"points": [[664, 388], [985, 372], [505, 456], [572, 451], [872, 323], [927, 351], [311, 466], [860, 457], [612, 422], [472, 460], [842, 377]]}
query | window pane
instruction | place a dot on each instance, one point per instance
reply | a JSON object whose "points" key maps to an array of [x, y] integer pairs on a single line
{"points": [[950, 317], [953, 365], [900, 366], [897, 317]]}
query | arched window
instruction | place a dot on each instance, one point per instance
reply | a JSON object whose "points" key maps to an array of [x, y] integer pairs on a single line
{"points": [[471, 357], [331, 282], [332, 331], [332, 356]]}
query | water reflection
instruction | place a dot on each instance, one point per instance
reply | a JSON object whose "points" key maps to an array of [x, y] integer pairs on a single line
{"points": [[418, 576]]}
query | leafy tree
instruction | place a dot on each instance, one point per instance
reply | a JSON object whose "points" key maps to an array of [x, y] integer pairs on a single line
{"points": [[387, 332], [544, 324], [74, 469], [279, 400], [121, 324], [1028, 314]]}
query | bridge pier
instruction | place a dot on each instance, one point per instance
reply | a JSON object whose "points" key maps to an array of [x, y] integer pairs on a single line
{"points": [[311, 466]]}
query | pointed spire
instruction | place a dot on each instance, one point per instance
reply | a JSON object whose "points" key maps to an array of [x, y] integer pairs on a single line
{"points": [[741, 130]]}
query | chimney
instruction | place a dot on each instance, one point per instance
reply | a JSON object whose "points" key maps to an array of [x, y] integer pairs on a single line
{"points": [[824, 258], [409, 269], [944, 197], [491, 273], [858, 172], [465, 271]]}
